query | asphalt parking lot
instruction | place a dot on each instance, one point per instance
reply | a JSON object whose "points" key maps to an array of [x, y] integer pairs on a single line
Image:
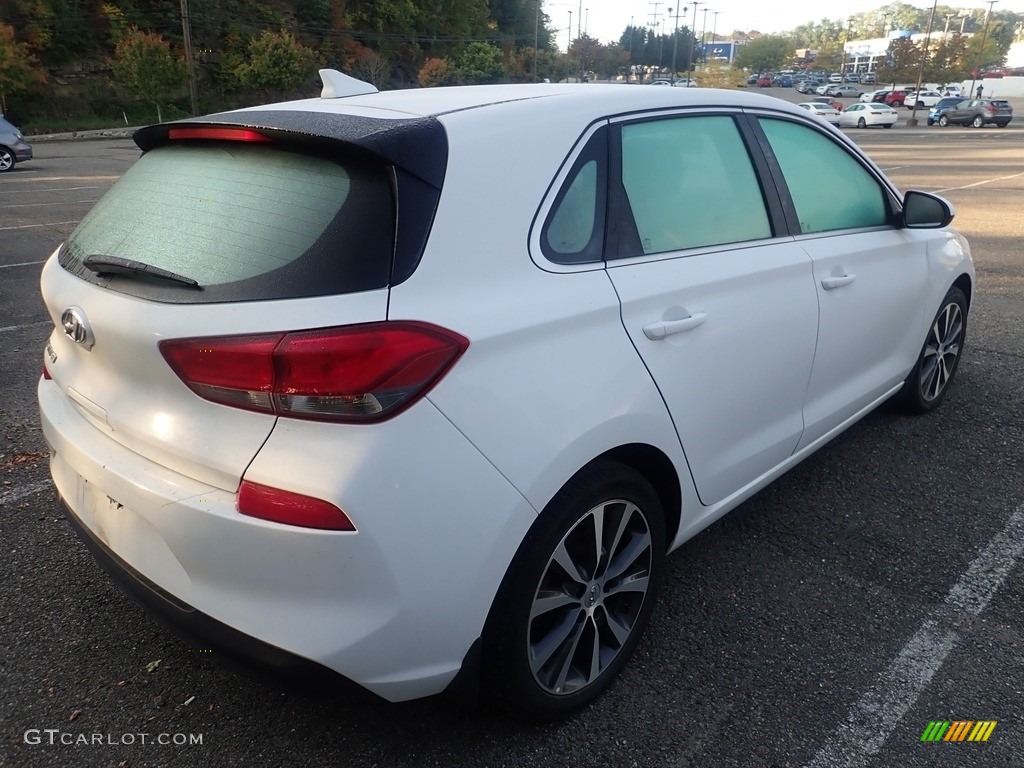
{"points": [[872, 590]]}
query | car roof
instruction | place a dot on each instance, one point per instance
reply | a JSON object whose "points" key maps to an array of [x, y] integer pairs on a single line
{"points": [[594, 99]]}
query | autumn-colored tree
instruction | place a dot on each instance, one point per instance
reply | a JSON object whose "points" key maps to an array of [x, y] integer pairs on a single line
{"points": [[371, 67], [277, 62], [435, 72], [19, 70], [144, 66]]}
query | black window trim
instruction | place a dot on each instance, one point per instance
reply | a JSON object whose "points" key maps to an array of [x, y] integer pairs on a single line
{"points": [[594, 148]]}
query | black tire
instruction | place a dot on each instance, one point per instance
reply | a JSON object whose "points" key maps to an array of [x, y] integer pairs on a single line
{"points": [[887, 125], [943, 120], [930, 121], [978, 121], [7, 160], [862, 123], [539, 639], [920, 105], [928, 382]]}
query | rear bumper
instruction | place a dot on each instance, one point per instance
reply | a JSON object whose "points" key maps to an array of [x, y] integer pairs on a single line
{"points": [[394, 607], [250, 656]]}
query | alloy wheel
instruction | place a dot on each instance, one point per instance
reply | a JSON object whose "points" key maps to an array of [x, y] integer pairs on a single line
{"points": [[941, 351], [589, 597]]}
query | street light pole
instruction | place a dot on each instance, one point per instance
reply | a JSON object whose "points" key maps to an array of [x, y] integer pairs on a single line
{"points": [[703, 29], [693, 40]]}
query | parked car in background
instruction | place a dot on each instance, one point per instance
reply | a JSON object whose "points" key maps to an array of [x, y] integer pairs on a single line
{"points": [[921, 99], [868, 115], [826, 112], [852, 77], [871, 96], [976, 112], [951, 89], [822, 90], [835, 77], [896, 98], [764, 81], [940, 106], [868, 78], [844, 91], [13, 147], [319, 436]]}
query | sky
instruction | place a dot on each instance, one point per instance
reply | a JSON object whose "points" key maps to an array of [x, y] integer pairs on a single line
{"points": [[606, 19]]}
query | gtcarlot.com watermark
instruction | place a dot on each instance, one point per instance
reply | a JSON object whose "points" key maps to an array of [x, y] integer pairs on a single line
{"points": [[55, 736]]}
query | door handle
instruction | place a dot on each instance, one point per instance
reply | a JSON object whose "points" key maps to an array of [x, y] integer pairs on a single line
{"points": [[663, 328], [831, 283]]}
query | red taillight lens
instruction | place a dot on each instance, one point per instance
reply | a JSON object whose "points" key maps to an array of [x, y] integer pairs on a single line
{"points": [[46, 373], [355, 374], [289, 508]]}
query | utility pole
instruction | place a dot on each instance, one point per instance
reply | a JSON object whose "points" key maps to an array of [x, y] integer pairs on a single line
{"points": [[981, 49], [186, 28], [924, 58], [536, 39], [675, 41]]}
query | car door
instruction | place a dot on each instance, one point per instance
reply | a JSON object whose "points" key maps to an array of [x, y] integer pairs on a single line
{"points": [[722, 311], [870, 276]]}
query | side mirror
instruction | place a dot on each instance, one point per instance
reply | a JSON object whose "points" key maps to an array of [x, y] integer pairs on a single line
{"points": [[923, 210]]}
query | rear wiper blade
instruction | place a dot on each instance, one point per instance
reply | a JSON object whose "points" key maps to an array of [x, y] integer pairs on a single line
{"points": [[116, 265]]}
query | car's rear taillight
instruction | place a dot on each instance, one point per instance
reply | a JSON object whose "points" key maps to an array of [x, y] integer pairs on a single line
{"points": [[290, 508], [353, 374]]}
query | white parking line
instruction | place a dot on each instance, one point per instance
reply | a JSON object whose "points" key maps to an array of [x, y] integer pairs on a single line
{"points": [[980, 183], [17, 494], [52, 189], [873, 718], [7, 328], [22, 264], [31, 226], [46, 205]]}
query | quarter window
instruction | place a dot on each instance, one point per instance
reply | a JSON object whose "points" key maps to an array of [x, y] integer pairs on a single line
{"points": [[690, 183], [830, 188]]}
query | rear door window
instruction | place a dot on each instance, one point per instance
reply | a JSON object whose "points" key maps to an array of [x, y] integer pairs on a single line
{"points": [[245, 221]]}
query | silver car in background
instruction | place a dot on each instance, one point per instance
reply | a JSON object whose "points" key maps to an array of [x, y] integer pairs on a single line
{"points": [[13, 148]]}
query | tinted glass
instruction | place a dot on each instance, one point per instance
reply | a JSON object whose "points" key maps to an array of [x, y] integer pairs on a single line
{"points": [[830, 188], [690, 183], [227, 213], [572, 222]]}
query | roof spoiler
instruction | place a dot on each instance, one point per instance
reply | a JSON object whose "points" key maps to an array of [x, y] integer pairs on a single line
{"points": [[338, 85]]}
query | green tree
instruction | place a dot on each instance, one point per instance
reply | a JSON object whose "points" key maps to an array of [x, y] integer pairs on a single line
{"points": [[144, 66], [276, 62], [903, 59], [765, 53], [481, 63]]}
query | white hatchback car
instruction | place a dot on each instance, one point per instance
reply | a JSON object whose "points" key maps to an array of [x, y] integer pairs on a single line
{"points": [[418, 388]]}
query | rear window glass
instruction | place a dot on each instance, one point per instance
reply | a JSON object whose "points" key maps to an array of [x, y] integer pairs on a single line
{"points": [[245, 221]]}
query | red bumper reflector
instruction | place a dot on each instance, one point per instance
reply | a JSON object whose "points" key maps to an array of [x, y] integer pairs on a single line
{"points": [[290, 508]]}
